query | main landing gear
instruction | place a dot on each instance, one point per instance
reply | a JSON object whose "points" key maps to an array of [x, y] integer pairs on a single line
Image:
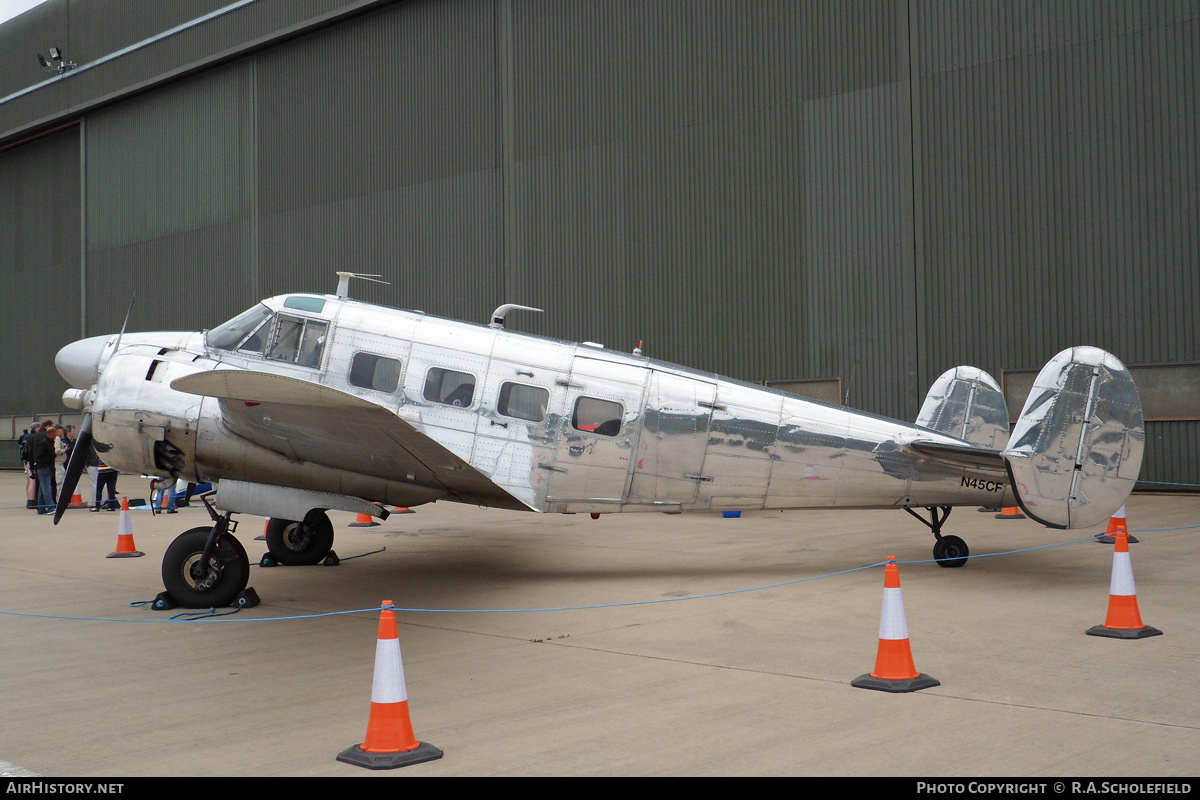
{"points": [[206, 567], [300, 544], [950, 551]]}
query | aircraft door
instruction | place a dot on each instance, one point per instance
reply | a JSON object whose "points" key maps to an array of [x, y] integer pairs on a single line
{"points": [[520, 422], [602, 425], [670, 457]]}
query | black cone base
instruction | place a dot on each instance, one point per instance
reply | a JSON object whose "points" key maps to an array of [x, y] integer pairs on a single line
{"points": [[922, 681], [1010, 516], [134, 554], [361, 758], [1104, 538], [1123, 633]]}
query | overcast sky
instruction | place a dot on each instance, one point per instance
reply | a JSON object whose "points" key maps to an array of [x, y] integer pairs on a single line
{"points": [[10, 8]]}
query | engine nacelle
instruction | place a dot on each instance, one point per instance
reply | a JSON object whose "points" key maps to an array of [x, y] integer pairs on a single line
{"points": [[139, 423]]}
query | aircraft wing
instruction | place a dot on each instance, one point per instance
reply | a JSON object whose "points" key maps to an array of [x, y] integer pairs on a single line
{"points": [[308, 422]]}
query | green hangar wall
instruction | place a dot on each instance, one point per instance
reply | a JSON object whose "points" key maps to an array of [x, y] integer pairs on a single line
{"points": [[869, 191]]}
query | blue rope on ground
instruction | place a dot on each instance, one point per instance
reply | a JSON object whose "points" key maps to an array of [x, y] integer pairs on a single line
{"points": [[212, 613]]}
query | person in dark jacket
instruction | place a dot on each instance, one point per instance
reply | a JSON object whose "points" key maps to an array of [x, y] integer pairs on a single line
{"points": [[41, 451], [31, 485]]}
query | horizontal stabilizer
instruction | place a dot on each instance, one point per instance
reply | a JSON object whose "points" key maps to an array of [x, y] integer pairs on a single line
{"points": [[1076, 449], [967, 403]]}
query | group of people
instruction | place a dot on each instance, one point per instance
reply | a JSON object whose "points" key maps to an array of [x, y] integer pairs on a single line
{"points": [[45, 451]]}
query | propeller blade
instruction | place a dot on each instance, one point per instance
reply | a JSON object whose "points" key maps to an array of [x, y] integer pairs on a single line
{"points": [[75, 465], [125, 324]]}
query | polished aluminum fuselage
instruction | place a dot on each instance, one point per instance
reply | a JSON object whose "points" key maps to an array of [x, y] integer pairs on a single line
{"points": [[688, 440]]}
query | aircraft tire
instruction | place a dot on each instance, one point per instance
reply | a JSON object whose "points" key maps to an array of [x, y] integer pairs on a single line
{"points": [[300, 544], [950, 551], [228, 573]]}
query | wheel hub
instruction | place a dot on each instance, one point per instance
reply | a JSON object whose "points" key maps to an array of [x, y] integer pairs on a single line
{"points": [[199, 578], [297, 537]]}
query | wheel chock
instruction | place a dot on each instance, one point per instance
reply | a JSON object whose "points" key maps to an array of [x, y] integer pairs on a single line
{"points": [[268, 560], [164, 602], [246, 598], [332, 559]]}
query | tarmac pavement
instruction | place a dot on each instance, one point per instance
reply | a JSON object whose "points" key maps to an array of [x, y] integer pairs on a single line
{"points": [[637, 644]]}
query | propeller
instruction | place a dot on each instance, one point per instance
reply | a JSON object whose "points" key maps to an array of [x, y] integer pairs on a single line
{"points": [[75, 465], [83, 443]]}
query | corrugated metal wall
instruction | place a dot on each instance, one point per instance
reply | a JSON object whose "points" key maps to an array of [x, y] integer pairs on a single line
{"points": [[869, 190], [39, 268]]}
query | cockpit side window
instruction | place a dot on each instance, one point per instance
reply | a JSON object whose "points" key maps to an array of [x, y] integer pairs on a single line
{"points": [[299, 340], [313, 343], [241, 331]]}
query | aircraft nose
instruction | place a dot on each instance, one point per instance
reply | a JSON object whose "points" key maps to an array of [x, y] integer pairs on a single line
{"points": [[79, 362]]}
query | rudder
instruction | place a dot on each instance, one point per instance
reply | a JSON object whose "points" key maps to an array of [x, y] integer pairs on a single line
{"points": [[1076, 450]]}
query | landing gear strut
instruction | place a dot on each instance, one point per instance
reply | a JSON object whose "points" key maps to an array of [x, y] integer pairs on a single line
{"points": [[950, 551], [206, 567]]}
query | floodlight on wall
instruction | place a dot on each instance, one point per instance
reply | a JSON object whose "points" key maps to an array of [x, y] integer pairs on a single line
{"points": [[57, 63]]}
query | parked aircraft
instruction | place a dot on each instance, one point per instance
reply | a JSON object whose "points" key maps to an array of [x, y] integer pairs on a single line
{"points": [[308, 402]]}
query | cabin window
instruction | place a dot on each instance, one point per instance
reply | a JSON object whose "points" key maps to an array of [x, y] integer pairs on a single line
{"points": [[523, 402], [299, 340], [597, 416], [449, 387], [370, 371], [247, 329]]}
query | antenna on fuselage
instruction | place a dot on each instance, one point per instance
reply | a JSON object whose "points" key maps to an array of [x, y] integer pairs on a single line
{"points": [[500, 313], [343, 290]]}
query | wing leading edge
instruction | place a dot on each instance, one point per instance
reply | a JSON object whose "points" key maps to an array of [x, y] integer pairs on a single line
{"points": [[308, 422]]}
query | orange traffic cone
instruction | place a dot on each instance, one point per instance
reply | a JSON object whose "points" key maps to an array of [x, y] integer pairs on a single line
{"points": [[263, 537], [390, 742], [1124, 621], [1116, 523], [1011, 512], [894, 668], [363, 521], [76, 501], [404, 510], [125, 547]]}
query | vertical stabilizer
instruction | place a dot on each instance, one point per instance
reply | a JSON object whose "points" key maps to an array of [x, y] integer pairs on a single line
{"points": [[1076, 450], [967, 402]]}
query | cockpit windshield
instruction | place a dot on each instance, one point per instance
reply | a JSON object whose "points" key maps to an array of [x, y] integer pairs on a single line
{"points": [[247, 329]]}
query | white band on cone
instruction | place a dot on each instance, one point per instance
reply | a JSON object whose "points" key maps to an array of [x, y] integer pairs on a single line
{"points": [[388, 685], [1122, 575], [892, 622]]}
